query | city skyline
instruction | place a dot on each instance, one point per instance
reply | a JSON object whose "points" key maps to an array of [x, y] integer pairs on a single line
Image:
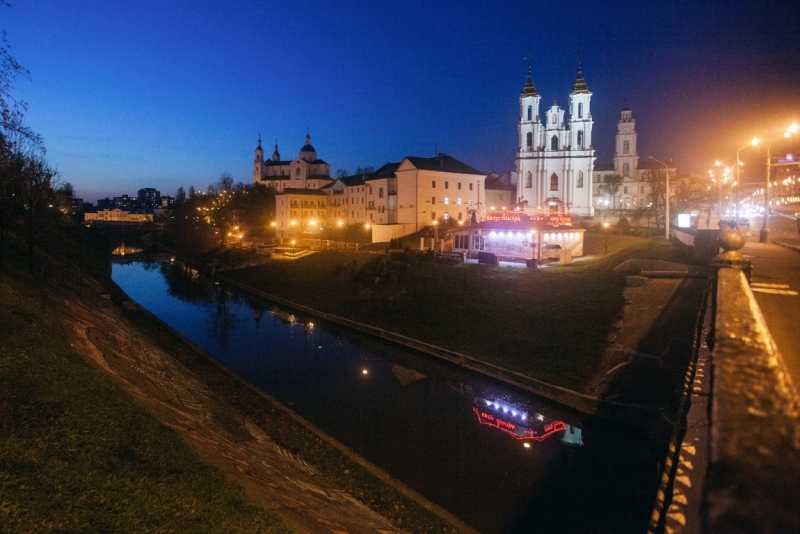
{"points": [[166, 96]]}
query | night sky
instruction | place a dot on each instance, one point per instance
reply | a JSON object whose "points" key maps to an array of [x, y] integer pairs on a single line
{"points": [[166, 94]]}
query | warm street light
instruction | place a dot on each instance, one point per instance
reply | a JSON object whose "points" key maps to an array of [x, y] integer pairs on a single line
{"points": [[754, 142], [666, 197]]}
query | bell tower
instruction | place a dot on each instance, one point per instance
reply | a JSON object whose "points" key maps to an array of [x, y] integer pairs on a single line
{"points": [[258, 163]]}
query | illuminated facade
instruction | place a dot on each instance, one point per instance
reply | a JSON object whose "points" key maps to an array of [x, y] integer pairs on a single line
{"points": [[634, 190], [555, 157], [305, 171]]}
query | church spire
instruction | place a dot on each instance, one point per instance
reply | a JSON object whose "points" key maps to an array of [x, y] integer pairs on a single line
{"points": [[580, 83], [529, 89]]}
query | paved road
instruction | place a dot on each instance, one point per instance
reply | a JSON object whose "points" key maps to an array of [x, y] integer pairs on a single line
{"points": [[776, 283]]}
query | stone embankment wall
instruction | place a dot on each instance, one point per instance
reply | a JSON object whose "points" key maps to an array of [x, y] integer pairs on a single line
{"points": [[753, 480]]}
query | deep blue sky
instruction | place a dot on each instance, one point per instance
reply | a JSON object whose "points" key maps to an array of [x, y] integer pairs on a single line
{"points": [[163, 94]]}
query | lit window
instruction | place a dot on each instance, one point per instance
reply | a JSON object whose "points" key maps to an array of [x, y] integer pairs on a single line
{"points": [[459, 201], [446, 199]]}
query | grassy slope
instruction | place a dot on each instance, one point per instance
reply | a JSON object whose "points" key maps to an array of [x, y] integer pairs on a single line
{"points": [[551, 323], [76, 455]]}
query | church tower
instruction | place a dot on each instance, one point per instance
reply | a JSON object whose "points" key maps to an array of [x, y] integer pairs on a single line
{"points": [[555, 157], [626, 158], [258, 163]]}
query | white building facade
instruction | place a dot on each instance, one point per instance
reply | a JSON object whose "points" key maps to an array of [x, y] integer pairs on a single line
{"points": [[555, 158]]}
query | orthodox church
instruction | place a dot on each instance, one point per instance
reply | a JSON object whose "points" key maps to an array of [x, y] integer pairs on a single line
{"points": [[555, 157], [305, 171]]}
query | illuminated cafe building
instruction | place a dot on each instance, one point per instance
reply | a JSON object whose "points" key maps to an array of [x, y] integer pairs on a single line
{"points": [[513, 236]]}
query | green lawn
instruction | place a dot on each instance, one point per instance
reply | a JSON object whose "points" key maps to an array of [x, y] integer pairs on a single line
{"points": [[77, 455], [551, 323]]}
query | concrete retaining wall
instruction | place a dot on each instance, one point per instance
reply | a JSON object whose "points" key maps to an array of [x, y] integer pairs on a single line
{"points": [[753, 479]]}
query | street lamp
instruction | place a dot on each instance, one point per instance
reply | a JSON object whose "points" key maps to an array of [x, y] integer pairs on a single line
{"points": [[435, 233], [605, 231], [754, 142], [666, 197], [763, 236]]}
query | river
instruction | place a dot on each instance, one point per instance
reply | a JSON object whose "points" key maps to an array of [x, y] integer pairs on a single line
{"points": [[499, 459]]}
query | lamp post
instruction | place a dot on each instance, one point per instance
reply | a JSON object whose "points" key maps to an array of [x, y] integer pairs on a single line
{"points": [[605, 231], [754, 142], [763, 235], [666, 197]]}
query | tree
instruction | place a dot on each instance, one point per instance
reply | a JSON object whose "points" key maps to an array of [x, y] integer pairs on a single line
{"points": [[180, 196], [656, 178], [365, 170], [611, 187], [37, 198], [341, 173], [191, 191]]}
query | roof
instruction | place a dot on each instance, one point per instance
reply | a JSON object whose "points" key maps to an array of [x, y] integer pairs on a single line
{"points": [[443, 163], [357, 179], [308, 148], [387, 171], [529, 89], [580, 83], [603, 166], [301, 191], [501, 182]]}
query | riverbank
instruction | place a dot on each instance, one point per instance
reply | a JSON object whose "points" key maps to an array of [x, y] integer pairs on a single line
{"points": [[209, 415], [577, 328]]}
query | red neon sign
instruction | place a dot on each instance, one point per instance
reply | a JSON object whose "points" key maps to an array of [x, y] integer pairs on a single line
{"points": [[517, 431]]}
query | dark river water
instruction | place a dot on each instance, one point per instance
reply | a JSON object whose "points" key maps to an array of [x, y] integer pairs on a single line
{"points": [[499, 459]]}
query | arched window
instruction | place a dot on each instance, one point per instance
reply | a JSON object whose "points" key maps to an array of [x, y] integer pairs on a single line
{"points": [[530, 140], [297, 172], [530, 113], [580, 179], [580, 110], [554, 182], [529, 180], [626, 147], [553, 119], [580, 138], [554, 143], [626, 170]]}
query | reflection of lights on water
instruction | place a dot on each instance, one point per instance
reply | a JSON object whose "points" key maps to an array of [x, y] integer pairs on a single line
{"points": [[311, 325], [540, 417], [526, 445]]}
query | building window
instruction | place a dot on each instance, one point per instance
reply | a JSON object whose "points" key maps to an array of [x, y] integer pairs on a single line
{"points": [[554, 143], [297, 172], [626, 169], [626, 147], [459, 185], [380, 192], [641, 190], [554, 182], [580, 179], [580, 139], [447, 216], [529, 141], [459, 201], [470, 202], [446, 185], [625, 190], [553, 119], [433, 200], [470, 187], [530, 113], [433, 184], [529, 180], [580, 110], [433, 215], [446, 201], [459, 215]]}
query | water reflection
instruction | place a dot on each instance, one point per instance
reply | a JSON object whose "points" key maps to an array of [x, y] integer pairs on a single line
{"points": [[499, 459]]}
